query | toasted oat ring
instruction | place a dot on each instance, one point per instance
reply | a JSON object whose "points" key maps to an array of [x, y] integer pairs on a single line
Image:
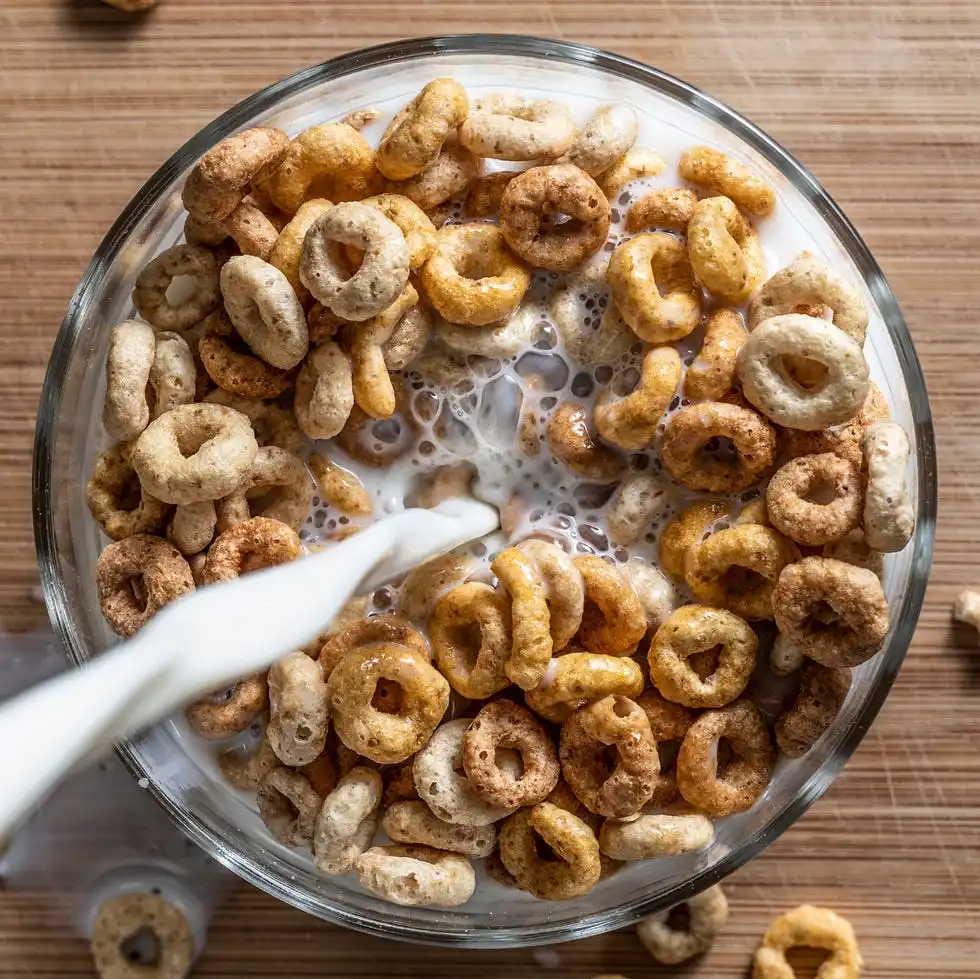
{"points": [[723, 174], [148, 562], [613, 622], [712, 375], [631, 422], [451, 173], [813, 928], [472, 278], [855, 595], [746, 775], [297, 728], [648, 837], [390, 629], [509, 127], [419, 231], [672, 207], [656, 594], [725, 251], [411, 821], [117, 500], [173, 376], [685, 532], [288, 805], [191, 527], [416, 875], [386, 738], [408, 339], [216, 718], [150, 291], [324, 395], [339, 488], [823, 691], [502, 724], [694, 629], [707, 914], [126, 412], [564, 588], [272, 424], [572, 443], [514, 335], [246, 769], [249, 546], [540, 191], [576, 678], [639, 499], [634, 164], [483, 199], [358, 440], [689, 430], [836, 399], [426, 584], [415, 136], [234, 369], [194, 453], [253, 230], [889, 519], [288, 249], [347, 822], [668, 722], [603, 140]]}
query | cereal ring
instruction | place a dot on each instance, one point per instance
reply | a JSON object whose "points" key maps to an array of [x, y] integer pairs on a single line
{"points": [[472, 278], [669, 722], [603, 140], [415, 136], [389, 629], [577, 869], [253, 230], [650, 837], [707, 914], [631, 422], [860, 621], [725, 175], [218, 716], [634, 164], [272, 424], [150, 291], [233, 367], [572, 443], [737, 569], [117, 500], [725, 251], [297, 728], [339, 488], [452, 172], [347, 821], [277, 486], [685, 532], [173, 376], [413, 822], [425, 585], [712, 375], [246, 770], [288, 249], [288, 806], [194, 453], [689, 432], [813, 928], [746, 775], [361, 439], [785, 657], [638, 501], [657, 596], [854, 549], [385, 737], [416, 875], [483, 199], [823, 691], [200, 231], [408, 339], [564, 589], [509, 127], [324, 392], [513, 336], [136, 577], [836, 399], [322, 773], [191, 528], [249, 546], [503, 724], [576, 678], [695, 629], [196, 562], [671, 207], [129, 361], [653, 287], [888, 515], [613, 622], [419, 231], [536, 193], [399, 784]]}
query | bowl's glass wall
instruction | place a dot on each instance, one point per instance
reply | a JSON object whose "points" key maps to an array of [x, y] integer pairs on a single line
{"points": [[69, 438]]}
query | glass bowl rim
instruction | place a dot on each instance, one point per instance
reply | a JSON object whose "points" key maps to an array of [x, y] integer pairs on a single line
{"points": [[237, 117]]}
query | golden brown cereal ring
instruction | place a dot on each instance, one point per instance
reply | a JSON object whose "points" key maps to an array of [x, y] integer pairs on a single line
{"points": [[117, 500], [725, 251], [613, 622], [653, 287], [507, 126], [173, 376], [534, 194], [419, 231], [712, 375], [577, 869], [288, 249], [823, 691], [854, 549], [737, 569], [707, 914], [603, 140], [289, 806], [272, 424], [126, 411], [657, 596], [576, 678], [746, 775], [347, 821], [249, 546], [416, 875], [634, 164], [297, 728], [415, 136], [357, 438], [888, 516], [452, 172], [860, 622], [425, 585], [483, 199], [218, 717], [694, 629], [572, 443], [324, 392], [136, 577], [150, 291], [564, 589], [639, 499], [684, 533], [648, 837], [672, 207], [191, 528], [689, 430], [413, 822], [389, 629], [813, 928], [339, 488], [196, 563], [233, 367], [631, 422], [723, 174]]}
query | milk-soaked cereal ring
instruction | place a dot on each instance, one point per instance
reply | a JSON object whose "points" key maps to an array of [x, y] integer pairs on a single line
{"points": [[413, 821], [684, 533], [408, 339], [823, 691], [272, 424], [136, 577], [631, 422], [648, 837], [712, 374], [564, 589], [472, 278], [603, 140], [634, 164], [450, 174], [725, 251], [216, 717], [638, 501], [723, 174], [653, 287], [613, 622], [428, 583], [656, 594], [695, 629], [746, 775], [246, 769], [173, 375], [249, 546], [671, 207], [389, 629], [233, 367], [117, 500], [125, 412], [416, 876], [888, 516], [415, 136], [737, 569], [150, 291], [689, 433], [483, 199], [534, 194], [513, 336], [707, 914], [191, 527], [502, 724], [576, 678], [288, 805], [288, 249], [577, 869], [297, 728], [507, 126], [347, 821], [419, 231], [813, 928], [386, 738], [837, 398], [339, 488], [668, 722], [853, 548], [324, 392], [572, 443], [856, 599]]}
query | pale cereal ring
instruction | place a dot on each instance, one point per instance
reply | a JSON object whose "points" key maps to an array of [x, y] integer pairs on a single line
{"points": [[564, 589], [656, 594], [288, 249], [860, 610], [507, 126], [191, 527], [631, 422], [671, 207], [889, 519], [136, 577], [126, 412], [389, 629], [218, 717], [746, 775], [288, 805], [150, 291], [324, 392], [450, 174], [613, 622], [712, 374], [737, 569], [823, 691], [638, 501], [428, 583], [173, 376], [339, 488], [272, 424], [648, 837], [117, 500], [416, 875], [502, 724], [233, 367], [724, 174], [837, 398], [576, 678], [196, 562], [483, 199], [690, 431], [785, 657], [603, 140], [669, 722], [249, 546], [695, 629], [472, 278], [419, 231], [653, 287], [572, 443], [415, 136], [408, 339], [245, 770], [297, 728], [513, 336], [347, 821], [707, 914], [813, 928], [634, 164], [725, 251], [685, 532], [536, 193], [412, 821], [853, 548]]}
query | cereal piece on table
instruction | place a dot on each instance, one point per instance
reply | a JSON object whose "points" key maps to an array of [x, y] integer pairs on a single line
{"points": [[219, 717], [966, 609], [347, 821], [889, 519], [813, 928], [725, 251], [416, 876], [723, 174], [648, 837], [707, 914]]}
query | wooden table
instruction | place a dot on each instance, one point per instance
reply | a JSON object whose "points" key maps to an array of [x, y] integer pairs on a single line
{"points": [[878, 98]]}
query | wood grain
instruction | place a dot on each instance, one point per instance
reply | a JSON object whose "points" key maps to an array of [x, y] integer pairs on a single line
{"points": [[877, 98]]}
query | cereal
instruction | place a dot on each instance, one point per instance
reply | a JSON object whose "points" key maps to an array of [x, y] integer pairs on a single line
{"points": [[510, 127], [288, 249], [324, 392], [786, 657], [173, 376], [413, 822], [823, 691], [360, 430], [288, 806], [408, 339], [725, 251], [634, 164], [669, 722], [272, 424], [129, 361], [684, 533], [416, 875], [339, 488], [603, 140], [117, 500], [321, 773], [657, 596], [483, 199], [234, 368], [966, 608], [511, 337], [361, 632], [253, 230], [888, 515], [245, 770], [277, 486], [576, 678], [813, 928], [707, 914], [150, 291], [347, 821], [723, 174], [564, 589], [297, 728], [613, 621], [426, 584], [672, 207], [712, 375], [191, 528], [572, 443], [650, 837], [249, 546], [452, 172], [218, 717], [419, 231], [852, 548]]}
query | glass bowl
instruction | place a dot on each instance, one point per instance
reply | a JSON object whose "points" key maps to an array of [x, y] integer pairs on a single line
{"points": [[68, 438]]}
